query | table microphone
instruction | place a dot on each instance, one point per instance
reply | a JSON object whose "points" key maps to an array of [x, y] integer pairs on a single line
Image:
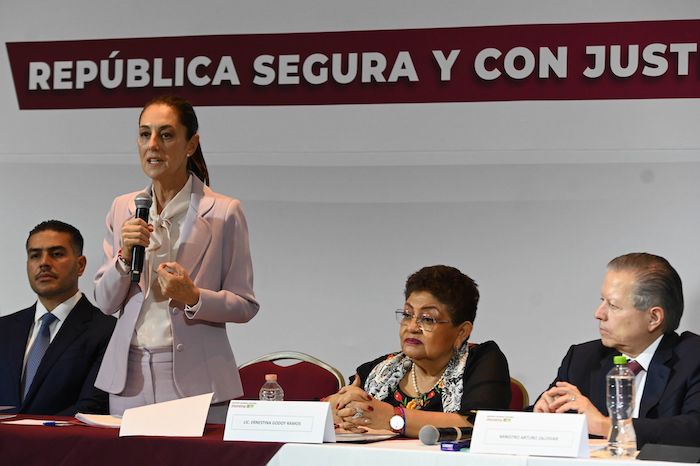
{"points": [[143, 203], [431, 435]]}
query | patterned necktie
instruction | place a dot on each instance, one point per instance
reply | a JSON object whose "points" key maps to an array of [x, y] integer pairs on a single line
{"points": [[635, 367], [36, 353]]}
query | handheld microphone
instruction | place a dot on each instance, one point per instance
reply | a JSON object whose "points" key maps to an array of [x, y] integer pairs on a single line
{"points": [[431, 435], [143, 203]]}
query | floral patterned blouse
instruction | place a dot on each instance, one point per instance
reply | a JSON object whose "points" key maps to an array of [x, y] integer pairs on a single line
{"points": [[477, 377], [422, 402]]}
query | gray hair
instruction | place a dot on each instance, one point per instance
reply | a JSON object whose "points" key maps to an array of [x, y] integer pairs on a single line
{"points": [[657, 284]]}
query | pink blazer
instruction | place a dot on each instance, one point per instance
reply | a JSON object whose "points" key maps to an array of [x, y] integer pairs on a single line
{"points": [[214, 250]]}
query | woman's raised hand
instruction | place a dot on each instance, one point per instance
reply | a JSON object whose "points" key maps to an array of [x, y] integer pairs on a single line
{"points": [[175, 283]]}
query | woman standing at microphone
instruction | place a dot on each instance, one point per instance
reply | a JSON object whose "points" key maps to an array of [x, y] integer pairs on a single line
{"points": [[170, 340]]}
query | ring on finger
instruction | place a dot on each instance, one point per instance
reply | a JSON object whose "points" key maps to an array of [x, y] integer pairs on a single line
{"points": [[359, 412], [573, 398]]}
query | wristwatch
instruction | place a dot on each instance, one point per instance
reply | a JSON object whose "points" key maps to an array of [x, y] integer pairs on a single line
{"points": [[398, 420]]}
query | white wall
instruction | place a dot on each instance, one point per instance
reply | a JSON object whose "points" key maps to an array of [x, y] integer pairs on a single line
{"points": [[344, 202]]}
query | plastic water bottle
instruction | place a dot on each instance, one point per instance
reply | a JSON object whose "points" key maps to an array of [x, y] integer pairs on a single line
{"points": [[622, 440], [271, 390]]}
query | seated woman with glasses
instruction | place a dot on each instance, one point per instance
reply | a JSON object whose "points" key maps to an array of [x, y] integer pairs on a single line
{"points": [[438, 377]]}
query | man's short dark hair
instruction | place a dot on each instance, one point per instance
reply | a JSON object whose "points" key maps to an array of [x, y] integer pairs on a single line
{"points": [[656, 284], [76, 238], [451, 287]]}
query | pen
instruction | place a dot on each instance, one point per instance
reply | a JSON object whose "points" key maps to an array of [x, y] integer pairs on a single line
{"points": [[56, 424]]}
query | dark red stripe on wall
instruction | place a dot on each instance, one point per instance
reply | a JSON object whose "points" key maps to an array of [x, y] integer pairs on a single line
{"points": [[627, 60]]}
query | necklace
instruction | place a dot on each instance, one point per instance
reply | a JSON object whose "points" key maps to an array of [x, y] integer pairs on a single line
{"points": [[415, 382]]}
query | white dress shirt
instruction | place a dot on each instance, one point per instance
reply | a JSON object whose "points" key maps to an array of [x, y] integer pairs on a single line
{"points": [[153, 325], [644, 359]]}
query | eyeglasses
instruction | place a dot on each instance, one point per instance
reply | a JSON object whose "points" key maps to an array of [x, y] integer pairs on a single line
{"points": [[426, 322]]}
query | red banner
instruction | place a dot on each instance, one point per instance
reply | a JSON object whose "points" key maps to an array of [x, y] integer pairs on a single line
{"points": [[629, 60]]}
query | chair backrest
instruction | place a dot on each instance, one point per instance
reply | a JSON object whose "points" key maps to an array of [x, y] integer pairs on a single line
{"points": [[307, 379], [519, 398]]}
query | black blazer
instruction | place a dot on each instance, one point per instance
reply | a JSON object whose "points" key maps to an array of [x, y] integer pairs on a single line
{"points": [[670, 409], [64, 381], [486, 380]]}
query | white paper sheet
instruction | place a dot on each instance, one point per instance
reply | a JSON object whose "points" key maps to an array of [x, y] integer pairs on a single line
{"points": [[100, 420], [39, 422], [185, 417]]}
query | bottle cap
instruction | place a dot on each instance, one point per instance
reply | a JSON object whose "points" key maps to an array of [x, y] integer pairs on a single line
{"points": [[619, 360], [273, 377]]}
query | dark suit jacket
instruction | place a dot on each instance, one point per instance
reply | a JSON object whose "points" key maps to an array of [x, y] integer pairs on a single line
{"points": [[670, 407], [64, 382]]}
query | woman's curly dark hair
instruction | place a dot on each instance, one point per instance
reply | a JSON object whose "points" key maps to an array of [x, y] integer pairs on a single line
{"points": [[450, 286]]}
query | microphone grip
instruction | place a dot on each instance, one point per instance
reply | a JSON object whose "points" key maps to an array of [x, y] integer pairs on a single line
{"points": [[430, 435], [137, 256], [138, 253]]}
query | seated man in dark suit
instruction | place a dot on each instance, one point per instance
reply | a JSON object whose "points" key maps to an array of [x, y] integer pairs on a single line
{"points": [[641, 307], [51, 351]]}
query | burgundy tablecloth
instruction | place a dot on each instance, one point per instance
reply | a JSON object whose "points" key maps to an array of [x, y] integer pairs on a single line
{"points": [[81, 445]]}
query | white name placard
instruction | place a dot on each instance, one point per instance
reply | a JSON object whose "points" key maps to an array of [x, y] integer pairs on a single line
{"points": [[535, 434], [279, 421]]}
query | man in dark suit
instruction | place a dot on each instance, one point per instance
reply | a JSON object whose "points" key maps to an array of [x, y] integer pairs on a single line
{"points": [[641, 307], [50, 352]]}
